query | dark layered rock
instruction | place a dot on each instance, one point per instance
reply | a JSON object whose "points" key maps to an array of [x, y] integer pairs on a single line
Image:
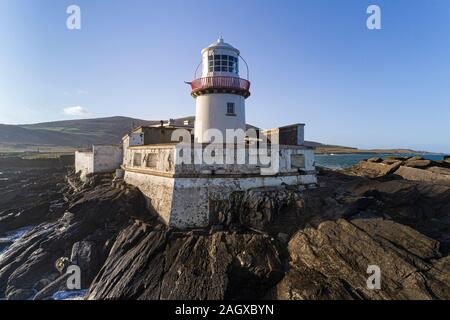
{"points": [[152, 262], [413, 168], [374, 169], [418, 163], [37, 163], [84, 234], [331, 262], [31, 196], [256, 208], [286, 243], [433, 174]]}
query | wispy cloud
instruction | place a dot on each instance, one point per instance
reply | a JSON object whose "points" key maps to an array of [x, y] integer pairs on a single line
{"points": [[82, 92], [77, 111]]}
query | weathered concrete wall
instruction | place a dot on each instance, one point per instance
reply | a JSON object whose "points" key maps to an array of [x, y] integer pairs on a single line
{"points": [[133, 139], [84, 163], [186, 202], [107, 158], [292, 135], [153, 158], [182, 193], [171, 159], [192, 197], [157, 135], [157, 190]]}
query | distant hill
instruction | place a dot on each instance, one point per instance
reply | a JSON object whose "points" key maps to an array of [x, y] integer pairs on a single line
{"points": [[71, 134]]}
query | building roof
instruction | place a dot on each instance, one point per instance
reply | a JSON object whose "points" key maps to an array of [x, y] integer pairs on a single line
{"points": [[220, 44]]}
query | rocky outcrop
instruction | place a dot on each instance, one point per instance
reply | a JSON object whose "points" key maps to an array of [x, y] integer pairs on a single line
{"points": [[152, 262], [331, 262], [433, 174], [82, 236], [373, 169], [256, 208], [285, 243], [413, 168], [31, 196]]}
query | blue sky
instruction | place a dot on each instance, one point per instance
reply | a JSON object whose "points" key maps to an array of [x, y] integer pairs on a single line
{"points": [[311, 61]]}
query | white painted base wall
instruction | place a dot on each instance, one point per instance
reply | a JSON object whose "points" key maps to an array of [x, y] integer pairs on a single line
{"points": [[101, 159], [184, 202], [84, 163]]}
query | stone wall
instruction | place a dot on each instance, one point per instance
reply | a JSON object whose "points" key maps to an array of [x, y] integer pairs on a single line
{"points": [[84, 163], [157, 190], [195, 199], [186, 195], [172, 160], [192, 202], [157, 159], [101, 159], [291, 135], [107, 158]]}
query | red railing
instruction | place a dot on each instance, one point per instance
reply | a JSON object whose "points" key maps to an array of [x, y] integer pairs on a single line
{"points": [[220, 82]]}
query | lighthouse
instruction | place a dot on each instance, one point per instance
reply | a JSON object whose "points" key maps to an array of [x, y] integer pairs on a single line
{"points": [[220, 93]]}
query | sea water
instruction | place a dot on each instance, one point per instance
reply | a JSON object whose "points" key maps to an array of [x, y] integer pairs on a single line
{"points": [[70, 295], [3, 179], [13, 236], [340, 161]]}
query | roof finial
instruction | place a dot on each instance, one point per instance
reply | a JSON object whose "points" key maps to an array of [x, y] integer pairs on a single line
{"points": [[220, 40]]}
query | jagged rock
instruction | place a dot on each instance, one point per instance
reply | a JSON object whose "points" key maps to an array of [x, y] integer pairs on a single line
{"points": [[331, 262], [434, 174], [20, 294], [153, 263], [29, 197], [375, 170], [283, 237], [86, 256], [443, 172], [256, 208], [46, 293], [375, 159], [418, 163], [332, 231], [96, 216]]}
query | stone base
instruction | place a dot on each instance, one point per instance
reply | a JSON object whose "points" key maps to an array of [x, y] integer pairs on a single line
{"points": [[189, 202]]}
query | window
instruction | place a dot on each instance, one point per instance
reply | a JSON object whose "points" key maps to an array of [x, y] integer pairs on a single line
{"points": [[152, 160], [297, 161], [137, 160], [230, 109], [222, 63]]}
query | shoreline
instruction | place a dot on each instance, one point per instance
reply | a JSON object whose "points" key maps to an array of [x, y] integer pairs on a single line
{"points": [[375, 151]]}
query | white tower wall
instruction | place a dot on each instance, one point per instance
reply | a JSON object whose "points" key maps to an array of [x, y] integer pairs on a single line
{"points": [[211, 112]]}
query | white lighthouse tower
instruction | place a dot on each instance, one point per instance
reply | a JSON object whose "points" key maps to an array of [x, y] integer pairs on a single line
{"points": [[220, 93]]}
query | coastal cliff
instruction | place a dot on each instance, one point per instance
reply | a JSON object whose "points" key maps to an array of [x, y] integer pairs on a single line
{"points": [[283, 243]]}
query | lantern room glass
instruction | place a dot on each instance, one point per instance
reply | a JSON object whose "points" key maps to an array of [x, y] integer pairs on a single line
{"points": [[223, 63]]}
